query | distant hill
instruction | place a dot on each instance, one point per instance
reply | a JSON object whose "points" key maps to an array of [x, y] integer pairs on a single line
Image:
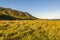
{"points": [[10, 14]]}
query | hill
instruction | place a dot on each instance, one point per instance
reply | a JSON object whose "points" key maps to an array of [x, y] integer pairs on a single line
{"points": [[10, 14]]}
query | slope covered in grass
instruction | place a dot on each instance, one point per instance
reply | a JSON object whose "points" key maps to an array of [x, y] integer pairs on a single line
{"points": [[10, 14], [30, 30]]}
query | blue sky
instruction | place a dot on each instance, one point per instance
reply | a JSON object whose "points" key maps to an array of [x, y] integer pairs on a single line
{"points": [[39, 8]]}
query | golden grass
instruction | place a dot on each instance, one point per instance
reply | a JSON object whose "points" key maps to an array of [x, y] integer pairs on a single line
{"points": [[30, 30]]}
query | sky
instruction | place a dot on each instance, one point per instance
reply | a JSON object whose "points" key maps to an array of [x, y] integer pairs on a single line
{"points": [[46, 9]]}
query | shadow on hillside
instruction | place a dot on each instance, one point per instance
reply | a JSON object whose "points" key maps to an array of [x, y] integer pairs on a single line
{"points": [[7, 17]]}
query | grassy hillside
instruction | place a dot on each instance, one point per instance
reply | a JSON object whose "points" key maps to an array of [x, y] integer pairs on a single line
{"points": [[30, 30], [10, 14]]}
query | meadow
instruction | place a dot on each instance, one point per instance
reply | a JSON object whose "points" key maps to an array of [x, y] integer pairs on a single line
{"points": [[30, 30]]}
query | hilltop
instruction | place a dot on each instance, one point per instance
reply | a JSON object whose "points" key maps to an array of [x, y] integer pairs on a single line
{"points": [[10, 14]]}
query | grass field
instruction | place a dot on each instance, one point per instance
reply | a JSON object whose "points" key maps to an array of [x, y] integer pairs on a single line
{"points": [[30, 30]]}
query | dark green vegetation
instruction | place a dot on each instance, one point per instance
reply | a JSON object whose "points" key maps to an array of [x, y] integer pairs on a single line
{"points": [[10, 14]]}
